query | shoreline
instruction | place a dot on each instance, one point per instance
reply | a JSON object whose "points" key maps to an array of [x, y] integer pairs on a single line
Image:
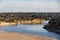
{"points": [[22, 36], [35, 21]]}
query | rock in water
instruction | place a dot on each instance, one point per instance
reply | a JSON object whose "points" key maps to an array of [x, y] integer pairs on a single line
{"points": [[53, 25]]}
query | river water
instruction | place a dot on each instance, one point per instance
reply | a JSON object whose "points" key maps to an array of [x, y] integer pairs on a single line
{"points": [[31, 29]]}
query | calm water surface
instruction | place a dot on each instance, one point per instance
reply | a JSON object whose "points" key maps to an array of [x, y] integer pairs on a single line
{"points": [[31, 29]]}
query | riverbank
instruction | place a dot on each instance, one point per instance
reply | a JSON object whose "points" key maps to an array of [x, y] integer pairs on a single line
{"points": [[35, 21], [21, 36]]}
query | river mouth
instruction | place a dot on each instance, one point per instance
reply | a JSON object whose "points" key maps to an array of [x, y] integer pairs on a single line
{"points": [[31, 29]]}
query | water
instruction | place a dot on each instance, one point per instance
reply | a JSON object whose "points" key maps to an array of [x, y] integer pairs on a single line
{"points": [[31, 29]]}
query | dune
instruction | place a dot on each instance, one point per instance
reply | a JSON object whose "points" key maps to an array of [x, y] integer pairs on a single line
{"points": [[22, 36]]}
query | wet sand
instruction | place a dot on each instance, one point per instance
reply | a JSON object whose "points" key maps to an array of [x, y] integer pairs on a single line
{"points": [[21, 36]]}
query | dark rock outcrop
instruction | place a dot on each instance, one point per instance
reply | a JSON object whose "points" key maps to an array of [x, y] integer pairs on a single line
{"points": [[53, 25]]}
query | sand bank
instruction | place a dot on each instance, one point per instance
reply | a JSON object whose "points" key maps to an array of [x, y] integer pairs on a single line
{"points": [[21, 36], [35, 21], [7, 24]]}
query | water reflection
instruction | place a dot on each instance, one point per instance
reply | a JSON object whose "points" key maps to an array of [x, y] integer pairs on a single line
{"points": [[31, 29]]}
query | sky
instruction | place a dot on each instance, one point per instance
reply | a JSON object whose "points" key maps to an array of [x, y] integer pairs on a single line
{"points": [[29, 5]]}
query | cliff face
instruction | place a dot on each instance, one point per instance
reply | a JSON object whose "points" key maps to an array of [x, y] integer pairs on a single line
{"points": [[53, 25]]}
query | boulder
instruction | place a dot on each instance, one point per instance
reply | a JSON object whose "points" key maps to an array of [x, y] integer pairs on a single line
{"points": [[53, 25]]}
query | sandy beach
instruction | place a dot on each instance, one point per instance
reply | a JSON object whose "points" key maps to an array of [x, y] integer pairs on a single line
{"points": [[21, 36]]}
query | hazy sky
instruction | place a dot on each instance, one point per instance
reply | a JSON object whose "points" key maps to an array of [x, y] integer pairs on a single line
{"points": [[29, 6]]}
